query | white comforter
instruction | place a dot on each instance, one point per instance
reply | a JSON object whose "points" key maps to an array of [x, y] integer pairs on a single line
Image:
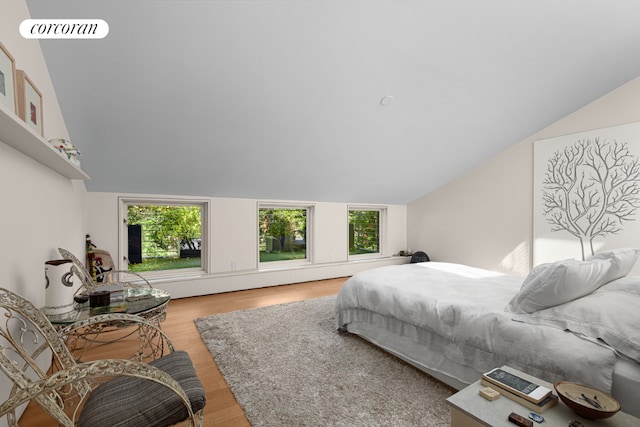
{"points": [[466, 307]]}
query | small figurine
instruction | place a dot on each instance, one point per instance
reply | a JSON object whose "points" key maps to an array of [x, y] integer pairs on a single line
{"points": [[91, 259], [101, 270], [67, 148]]}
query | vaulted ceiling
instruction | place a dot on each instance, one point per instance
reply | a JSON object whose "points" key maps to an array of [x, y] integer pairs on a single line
{"points": [[324, 100]]}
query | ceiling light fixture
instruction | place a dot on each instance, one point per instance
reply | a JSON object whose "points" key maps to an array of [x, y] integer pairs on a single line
{"points": [[386, 100]]}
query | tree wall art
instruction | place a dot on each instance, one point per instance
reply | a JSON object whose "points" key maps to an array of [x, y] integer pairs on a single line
{"points": [[586, 195]]}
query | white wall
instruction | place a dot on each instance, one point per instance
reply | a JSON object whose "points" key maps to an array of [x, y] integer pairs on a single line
{"points": [[233, 252], [484, 218], [40, 209]]}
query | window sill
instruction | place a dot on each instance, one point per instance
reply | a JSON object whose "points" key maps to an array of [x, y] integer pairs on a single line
{"points": [[237, 280], [201, 275]]}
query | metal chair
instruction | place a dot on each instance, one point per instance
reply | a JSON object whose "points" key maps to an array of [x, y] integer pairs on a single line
{"points": [[112, 392], [119, 275]]}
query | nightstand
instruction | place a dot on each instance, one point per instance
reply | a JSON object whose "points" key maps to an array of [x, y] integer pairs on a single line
{"points": [[469, 409]]}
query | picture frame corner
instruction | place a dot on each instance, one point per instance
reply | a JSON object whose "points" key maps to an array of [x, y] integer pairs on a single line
{"points": [[8, 89], [29, 102]]}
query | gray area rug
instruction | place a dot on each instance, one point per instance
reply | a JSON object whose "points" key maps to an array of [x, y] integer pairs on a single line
{"points": [[288, 366]]}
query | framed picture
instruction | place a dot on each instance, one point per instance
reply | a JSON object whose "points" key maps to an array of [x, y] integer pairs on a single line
{"points": [[7, 80], [29, 102]]}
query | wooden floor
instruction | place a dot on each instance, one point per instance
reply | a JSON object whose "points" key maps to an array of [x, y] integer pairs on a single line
{"points": [[222, 408]]}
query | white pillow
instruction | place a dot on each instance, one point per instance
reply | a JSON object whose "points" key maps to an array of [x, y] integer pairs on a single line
{"points": [[609, 314], [548, 285], [622, 261]]}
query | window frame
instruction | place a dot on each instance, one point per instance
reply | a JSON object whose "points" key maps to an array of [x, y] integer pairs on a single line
{"points": [[205, 216], [267, 265], [382, 226]]}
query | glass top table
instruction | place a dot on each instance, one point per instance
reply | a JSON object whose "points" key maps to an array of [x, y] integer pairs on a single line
{"points": [[148, 303]]}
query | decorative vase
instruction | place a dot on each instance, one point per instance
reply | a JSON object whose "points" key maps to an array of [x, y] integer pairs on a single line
{"points": [[58, 286]]}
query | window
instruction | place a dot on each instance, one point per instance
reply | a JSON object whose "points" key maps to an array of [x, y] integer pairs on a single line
{"points": [[283, 233], [364, 231], [164, 235]]}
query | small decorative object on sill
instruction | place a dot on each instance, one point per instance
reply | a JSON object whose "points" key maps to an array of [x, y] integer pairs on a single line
{"points": [[66, 148], [419, 256], [58, 286]]}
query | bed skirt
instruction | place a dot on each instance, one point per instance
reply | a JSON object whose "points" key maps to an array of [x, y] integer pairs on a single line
{"points": [[429, 352]]}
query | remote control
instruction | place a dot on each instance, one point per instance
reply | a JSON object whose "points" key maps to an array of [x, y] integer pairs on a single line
{"points": [[516, 385], [520, 420]]}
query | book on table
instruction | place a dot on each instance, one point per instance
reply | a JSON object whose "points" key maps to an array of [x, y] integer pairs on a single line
{"points": [[525, 392], [519, 386], [547, 403]]}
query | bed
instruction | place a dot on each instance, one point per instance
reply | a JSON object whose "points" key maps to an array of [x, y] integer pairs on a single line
{"points": [[570, 320]]}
